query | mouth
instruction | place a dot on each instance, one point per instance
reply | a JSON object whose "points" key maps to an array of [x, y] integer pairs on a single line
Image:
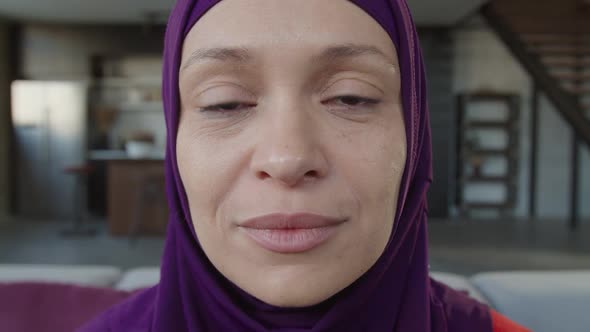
{"points": [[290, 233]]}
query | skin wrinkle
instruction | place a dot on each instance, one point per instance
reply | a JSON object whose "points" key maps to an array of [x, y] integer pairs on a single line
{"points": [[294, 151]]}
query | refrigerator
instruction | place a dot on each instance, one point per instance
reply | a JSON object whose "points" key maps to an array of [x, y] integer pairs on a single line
{"points": [[50, 128]]}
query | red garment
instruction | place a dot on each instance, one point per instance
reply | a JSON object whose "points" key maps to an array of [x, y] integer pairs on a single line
{"points": [[503, 324]]}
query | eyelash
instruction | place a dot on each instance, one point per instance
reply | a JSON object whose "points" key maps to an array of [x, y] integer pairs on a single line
{"points": [[362, 101], [219, 107], [235, 106]]}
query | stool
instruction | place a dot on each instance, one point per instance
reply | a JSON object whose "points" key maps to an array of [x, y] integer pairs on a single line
{"points": [[151, 192], [79, 226]]}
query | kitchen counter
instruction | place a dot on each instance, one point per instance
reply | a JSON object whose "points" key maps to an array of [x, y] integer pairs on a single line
{"points": [[136, 200]]}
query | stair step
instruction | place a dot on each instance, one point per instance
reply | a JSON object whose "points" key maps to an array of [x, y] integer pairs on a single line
{"points": [[571, 76], [565, 61], [559, 45], [580, 91], [573, 50], [555, 38], [538, 7], [530, 25]]}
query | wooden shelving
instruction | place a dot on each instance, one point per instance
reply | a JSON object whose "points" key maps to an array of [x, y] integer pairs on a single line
{"points": [[474, 154]]}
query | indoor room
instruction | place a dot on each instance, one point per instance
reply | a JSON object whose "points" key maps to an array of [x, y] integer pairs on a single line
{"points": [[491, 198]]}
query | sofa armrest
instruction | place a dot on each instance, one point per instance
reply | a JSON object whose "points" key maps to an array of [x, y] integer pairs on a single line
{"points": [[83, 275], [542, 301], [459, 283], [139, 278]]}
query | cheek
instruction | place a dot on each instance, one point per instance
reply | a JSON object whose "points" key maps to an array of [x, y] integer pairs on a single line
{"points": [[384, 179], [392, 163], [204, 170], [375, 170], [379, 159]]}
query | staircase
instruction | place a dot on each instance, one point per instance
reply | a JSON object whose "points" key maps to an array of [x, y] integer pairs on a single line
{"points": [[551, 39], [567, 58]]}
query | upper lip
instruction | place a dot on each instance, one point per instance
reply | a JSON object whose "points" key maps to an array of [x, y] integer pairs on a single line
{"points": [[291, 221]]}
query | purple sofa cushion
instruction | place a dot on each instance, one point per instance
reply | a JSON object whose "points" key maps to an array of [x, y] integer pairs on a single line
{"points": [[52, 307]]}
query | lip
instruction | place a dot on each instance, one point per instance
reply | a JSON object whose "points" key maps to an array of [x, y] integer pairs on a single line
{"points": [[290, 233]]}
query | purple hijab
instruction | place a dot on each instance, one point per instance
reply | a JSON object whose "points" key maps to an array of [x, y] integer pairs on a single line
{"points": [[396, 294]]}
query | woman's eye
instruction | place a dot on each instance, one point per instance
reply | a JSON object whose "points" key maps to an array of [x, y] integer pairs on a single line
{"points": [[227, 107], [352, 101]]}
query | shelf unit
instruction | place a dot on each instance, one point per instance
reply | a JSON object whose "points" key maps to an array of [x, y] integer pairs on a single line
{"points": [[474, 153]]}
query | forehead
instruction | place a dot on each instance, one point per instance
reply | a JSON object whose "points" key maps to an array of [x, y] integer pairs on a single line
{"points": [[297, 25]]}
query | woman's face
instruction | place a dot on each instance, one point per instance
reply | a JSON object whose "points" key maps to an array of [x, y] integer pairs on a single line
{"points": [[291, 144]]}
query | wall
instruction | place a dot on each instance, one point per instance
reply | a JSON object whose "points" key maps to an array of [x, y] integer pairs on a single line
{"points": [[483, 62], [64, 51], [4, 120], [437, 48]]}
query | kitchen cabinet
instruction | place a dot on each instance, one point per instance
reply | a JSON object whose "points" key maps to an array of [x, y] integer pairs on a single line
{"points": [[136, 197]]}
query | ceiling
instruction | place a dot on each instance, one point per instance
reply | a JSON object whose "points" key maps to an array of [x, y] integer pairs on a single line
{"points": [[426, 12]]}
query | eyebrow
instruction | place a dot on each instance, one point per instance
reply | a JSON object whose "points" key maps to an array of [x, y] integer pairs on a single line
{"points": [[338, 52], [218, 54], [243, 55]]}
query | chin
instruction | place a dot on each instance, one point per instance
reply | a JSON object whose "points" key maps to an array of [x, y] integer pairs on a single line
{"points": [[295, 297], [286, 289]]}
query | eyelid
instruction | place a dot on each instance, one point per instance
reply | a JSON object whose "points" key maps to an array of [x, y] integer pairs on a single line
{"points": [[222, 85], [211, 108], [364, 99], [351, 79]]}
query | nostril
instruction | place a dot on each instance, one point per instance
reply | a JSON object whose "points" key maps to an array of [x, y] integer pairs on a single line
{"points": [[311, 174], [263, 175]]}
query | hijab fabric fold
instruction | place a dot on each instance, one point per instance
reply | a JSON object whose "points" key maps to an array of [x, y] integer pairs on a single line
{"points": [[396, 294]]}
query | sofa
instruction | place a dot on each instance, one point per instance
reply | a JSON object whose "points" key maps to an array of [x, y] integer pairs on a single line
{"points": [[56, 298]]}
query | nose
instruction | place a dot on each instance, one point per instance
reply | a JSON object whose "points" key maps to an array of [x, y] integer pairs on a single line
{"points": [[288, 151]]}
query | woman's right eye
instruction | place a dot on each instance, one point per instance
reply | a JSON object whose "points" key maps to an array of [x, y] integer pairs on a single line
{"points": [[228, 107]]}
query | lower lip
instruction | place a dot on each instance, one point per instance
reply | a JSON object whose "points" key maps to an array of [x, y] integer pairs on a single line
{"points": [[290, 241]]}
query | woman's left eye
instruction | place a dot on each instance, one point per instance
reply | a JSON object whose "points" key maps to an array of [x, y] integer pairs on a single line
{"points": [[351, 101]]}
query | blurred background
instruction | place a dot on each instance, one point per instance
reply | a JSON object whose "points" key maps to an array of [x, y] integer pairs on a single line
{"points": [[82, 133]]}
